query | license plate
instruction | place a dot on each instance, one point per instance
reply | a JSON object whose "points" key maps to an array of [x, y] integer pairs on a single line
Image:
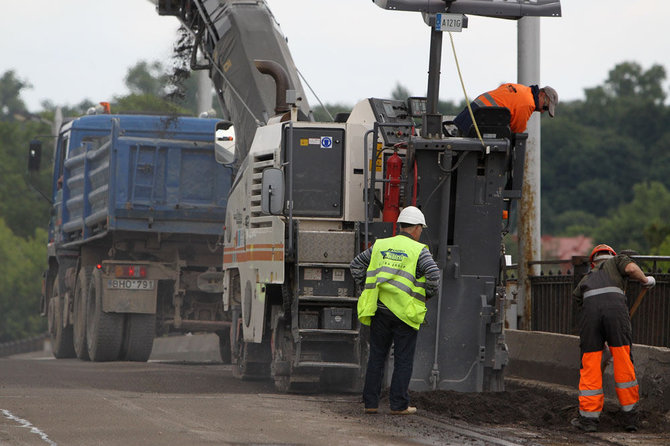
{"points": [[449, 22], [130, 284]]}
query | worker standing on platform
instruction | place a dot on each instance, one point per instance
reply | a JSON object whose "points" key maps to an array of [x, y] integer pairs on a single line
{"points": [[521, 101], [397, 274], [604, 318]]}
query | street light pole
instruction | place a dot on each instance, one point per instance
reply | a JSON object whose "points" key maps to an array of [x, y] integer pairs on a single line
{"points": [[530, 242]]}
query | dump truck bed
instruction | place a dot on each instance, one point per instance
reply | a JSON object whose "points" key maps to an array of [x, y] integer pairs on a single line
{"points": [[141, 173]]}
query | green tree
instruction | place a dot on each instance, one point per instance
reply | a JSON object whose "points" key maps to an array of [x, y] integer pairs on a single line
{"points": [[10, 96], [400, 92], [147, 103], [641, 224], [595, 150], [575, 222], [629, 81], [22, 262], [22, 205], [320, 115], [155, 88], [146, 78]]}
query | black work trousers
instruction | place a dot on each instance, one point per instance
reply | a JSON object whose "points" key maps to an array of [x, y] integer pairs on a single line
{"points": [[386, 329]]}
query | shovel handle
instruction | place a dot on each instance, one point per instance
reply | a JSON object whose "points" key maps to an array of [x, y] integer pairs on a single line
{"points": [[638, 301]]}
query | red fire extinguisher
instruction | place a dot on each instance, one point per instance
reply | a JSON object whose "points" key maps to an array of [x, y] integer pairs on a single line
{"points": [[392, 190]]}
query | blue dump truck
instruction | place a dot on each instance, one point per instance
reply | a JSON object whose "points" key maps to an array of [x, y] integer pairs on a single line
{"points": [[134, 247]]}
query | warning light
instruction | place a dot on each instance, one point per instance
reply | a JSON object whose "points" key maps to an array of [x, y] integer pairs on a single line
{"points": [[505, 215], [128, 271]]}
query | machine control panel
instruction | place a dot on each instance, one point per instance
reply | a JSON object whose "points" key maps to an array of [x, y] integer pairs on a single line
{"points": [[395, 119]]}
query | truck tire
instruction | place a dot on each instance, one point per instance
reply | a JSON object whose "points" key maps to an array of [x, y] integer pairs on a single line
{"points": [[79, 324], [61, 337], [280, 367], [104, 331], [138, 337], [224, 346], [239, 358]]}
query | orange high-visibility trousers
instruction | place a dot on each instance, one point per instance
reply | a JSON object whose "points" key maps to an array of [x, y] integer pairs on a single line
{"points": [[627, 389], [591, 396]]}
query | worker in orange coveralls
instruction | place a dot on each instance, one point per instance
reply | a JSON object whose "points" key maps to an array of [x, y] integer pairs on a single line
{"points": [[604, 318], [521, 101]]}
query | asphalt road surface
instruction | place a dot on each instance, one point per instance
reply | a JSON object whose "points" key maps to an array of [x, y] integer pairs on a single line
{"points": [[44, 401], [166, 402]]}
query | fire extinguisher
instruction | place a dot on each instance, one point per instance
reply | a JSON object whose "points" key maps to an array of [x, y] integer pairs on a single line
{"points": [[392, 190]]}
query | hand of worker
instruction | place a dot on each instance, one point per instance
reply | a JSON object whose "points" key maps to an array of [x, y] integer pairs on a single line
{"points": [[650, 282]]}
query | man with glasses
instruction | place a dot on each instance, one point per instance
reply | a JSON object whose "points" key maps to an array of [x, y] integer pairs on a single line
{"points": [[521, 101]]}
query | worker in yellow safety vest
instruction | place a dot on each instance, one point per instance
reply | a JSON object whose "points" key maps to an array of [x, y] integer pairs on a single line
{"points": [[397, 274]]}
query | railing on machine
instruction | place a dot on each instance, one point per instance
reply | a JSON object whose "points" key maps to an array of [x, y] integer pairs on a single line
{"points": [[553, 310]]}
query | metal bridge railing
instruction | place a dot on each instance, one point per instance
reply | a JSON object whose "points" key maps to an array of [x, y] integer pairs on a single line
{"points": [[552, 308], [33, 344]]}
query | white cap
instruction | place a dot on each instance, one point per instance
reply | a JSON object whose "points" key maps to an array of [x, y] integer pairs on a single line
{"points": [[412, 216]]}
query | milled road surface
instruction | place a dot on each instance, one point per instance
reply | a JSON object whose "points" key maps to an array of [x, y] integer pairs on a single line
{"points": [[50, 402], [44, 401]]}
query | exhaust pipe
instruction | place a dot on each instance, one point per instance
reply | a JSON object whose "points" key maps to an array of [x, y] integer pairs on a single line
{"points": [[280, 77]]}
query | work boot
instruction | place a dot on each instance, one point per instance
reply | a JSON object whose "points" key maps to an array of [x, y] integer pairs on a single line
{"points": [[585, 424], [409, 411], [630, 420]]}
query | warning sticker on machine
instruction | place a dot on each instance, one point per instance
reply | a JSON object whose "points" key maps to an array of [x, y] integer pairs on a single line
{"points": [[314, 141], [312, 274], [304, 141], [326, 142], [338, 275]]}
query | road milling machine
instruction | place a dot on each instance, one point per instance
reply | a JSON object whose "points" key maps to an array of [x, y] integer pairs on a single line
{"points": [[308, 196]]}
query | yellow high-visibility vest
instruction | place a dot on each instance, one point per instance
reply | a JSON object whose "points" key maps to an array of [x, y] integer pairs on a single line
{"points": [[391, 278]]}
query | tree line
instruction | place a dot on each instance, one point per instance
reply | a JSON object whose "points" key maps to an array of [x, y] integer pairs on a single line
{"points": [[605, 169]]}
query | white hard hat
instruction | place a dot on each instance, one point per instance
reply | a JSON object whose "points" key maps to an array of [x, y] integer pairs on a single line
{"points": [[412, 216]]}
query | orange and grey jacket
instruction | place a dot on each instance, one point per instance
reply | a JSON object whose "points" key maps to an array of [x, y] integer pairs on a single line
{"points": [[521, 101]]}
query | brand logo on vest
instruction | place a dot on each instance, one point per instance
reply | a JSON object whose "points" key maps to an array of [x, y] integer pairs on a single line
{"points": [[397, 256]]}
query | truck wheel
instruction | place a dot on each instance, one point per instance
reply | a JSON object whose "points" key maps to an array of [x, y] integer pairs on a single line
{"points": [[61, 337], [251, 361], [138, 339], [80, 290], [104, 331], [239, 360], [281, 358], [224, 346]]}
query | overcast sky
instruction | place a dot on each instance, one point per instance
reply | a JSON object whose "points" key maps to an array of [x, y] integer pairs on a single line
{"points": [[70, 50]]}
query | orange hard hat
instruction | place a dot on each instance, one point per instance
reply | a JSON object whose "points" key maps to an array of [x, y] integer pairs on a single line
{"points": [[601, 248]]}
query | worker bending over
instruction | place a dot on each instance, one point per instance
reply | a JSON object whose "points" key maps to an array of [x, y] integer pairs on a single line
{"points": [[604, 318], [521, 101]]}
